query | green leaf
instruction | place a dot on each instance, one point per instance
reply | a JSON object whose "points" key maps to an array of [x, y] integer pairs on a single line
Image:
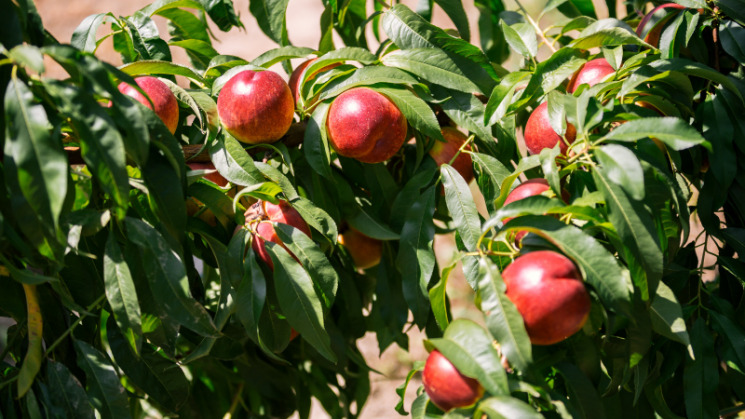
{"points": [[607, 37], [701, 375], [438, 298], [502, 318], [27, 56], [470, 348], [506, 407], [418, 114], [298, 300], [462, 207], [401, 391], [199, 51], [465, 109], [222, 13], [168, 280], [733, 333], [276, 55], [38, 156], [101, 144], [519, 34], [164, 187], [667, 317], [599, 267], [316, 217], [315, 142], [433, 65], [623, 168], [491, 167], [147, 43], [250, 294], [367, 76], [416, 258], [161, 379], [84, 36], [233, 163], [674, 132], [733, 9], [105, 392], [121, 293], [312, 259], [635, 226], [66, 393], [270, 15], [455, 11], [582, 394], [152, 67], [362, 221]]}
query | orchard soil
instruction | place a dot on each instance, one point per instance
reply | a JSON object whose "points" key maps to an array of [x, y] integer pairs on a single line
{"points": [[61, 18]]}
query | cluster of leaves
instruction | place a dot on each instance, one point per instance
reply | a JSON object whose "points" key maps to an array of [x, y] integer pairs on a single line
{"points": [[125, 304]]}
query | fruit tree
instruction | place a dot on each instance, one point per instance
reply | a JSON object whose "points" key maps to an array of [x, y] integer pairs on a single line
{"points": [[211, 237]]}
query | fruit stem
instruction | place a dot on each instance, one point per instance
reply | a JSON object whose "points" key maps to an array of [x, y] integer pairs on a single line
{"points": [[537, 28], [75, 324]]}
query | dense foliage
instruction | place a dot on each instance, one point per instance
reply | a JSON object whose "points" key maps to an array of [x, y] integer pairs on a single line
{"points": [[127, 303]]}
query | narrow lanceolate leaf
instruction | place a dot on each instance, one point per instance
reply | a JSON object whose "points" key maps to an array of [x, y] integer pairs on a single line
{"points": [[161, 379], [298, 300], [502, 318], [84, 36], [674, 132], [233, 163], [470, 348], [636, 228], [733, 333], [416, 258], [167, 277], [462, 206], [367, 76], [316, 143], [101, 144], [32, 360], [599, 267], [465, 109], [66, 393], [701, 375], [40, 160], [506, 407], [418, 114], [316, 217], [432, 65], [623, 168], [438, 298], [667, 317], [121, 293], [582, 394], [270, 14], [250, 296], [151, 67], [312, 258], [105, 392]]}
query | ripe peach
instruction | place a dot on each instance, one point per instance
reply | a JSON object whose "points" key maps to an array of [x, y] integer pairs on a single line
{"points": [[591, 73], [446, 386], [539, 134], [365, 125], [256, 106], [297, 75], [365, 251], [548, 291], [259, 217], [164, 102], [443, 152]]}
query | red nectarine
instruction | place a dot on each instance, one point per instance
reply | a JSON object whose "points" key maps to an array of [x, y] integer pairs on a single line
{"points": [[444, 151], [164, 102], [256, 106], [259, 218], [539, 133], [446, 386], [591, 73], [548, 291], [365, 125]]}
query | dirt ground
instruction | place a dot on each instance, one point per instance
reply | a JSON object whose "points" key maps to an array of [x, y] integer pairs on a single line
{"points": [[62, 17]]}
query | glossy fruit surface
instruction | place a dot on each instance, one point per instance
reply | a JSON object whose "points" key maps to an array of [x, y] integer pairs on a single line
{"points": [[443, 152], [211, 173], [446, 387], [164, 102], [365, 125], [653, 34], [256, 106], [528, 188], [539, 134], [591, 73], [547, 289], [260, 216], [365, 251]]}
